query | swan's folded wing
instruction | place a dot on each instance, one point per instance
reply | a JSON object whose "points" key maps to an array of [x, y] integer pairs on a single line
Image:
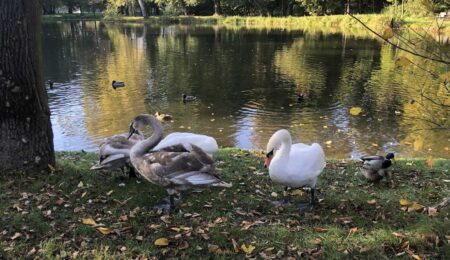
{"points": [[112, 161]]}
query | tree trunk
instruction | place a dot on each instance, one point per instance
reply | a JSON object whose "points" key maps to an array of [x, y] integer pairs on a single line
{"points": [[217, 8], [26, 136], [142, 5]]}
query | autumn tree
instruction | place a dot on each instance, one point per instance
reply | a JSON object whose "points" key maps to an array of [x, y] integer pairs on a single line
{"points": [[26, 137]]}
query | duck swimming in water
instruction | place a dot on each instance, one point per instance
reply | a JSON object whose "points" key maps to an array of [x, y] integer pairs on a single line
{"points": [[117, 84], [187, 98], [173, 167]]}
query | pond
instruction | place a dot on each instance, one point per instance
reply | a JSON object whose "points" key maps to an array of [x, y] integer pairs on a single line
{"points": [[245, 81]]}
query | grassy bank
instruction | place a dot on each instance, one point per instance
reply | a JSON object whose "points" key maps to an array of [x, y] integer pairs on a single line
{"points": [[42, 214], [343, 23]]}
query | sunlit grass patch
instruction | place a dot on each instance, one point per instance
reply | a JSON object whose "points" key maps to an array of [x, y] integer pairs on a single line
{"points": [[42, 214]]}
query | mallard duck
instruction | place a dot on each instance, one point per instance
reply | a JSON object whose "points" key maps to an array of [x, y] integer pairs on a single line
{"points": [[173, 168], [374, 166], [115, 152], [207, 143], [163, 117], [117, 84], [300, 97], [294, 165], [50, 84], [187, 98]]}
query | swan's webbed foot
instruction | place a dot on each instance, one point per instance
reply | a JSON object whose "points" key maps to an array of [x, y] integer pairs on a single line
{"points": [[306, 207], [168, 204], [287, 199]]}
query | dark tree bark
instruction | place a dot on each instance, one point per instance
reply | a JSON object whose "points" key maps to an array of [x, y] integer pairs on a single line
{"points": [[143, 11], [217, 8], [26, 138]]}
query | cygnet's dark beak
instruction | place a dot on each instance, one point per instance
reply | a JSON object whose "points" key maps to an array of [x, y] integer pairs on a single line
{"points": [[131, 131]]}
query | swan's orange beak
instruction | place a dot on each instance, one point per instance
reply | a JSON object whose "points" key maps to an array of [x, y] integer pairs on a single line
{"points": [[267, 162]]}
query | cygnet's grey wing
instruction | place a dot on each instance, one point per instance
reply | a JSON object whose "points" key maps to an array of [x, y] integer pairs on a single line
{"points": [[174, 148], [111, 162]]}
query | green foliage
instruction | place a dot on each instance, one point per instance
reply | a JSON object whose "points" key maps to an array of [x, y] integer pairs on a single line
{"points": [[417, 8]]}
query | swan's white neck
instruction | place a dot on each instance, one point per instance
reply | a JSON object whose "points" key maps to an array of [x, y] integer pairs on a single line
{"points": [[284, 141]]}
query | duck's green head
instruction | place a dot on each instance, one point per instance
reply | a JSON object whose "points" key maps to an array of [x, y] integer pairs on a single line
{"points": [[390, 156]]}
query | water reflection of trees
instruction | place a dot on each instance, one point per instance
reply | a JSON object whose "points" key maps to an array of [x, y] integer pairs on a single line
{"points": [[245, 81]]}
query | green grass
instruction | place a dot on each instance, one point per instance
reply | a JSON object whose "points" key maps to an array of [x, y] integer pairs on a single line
{"points": [[47, 209]]}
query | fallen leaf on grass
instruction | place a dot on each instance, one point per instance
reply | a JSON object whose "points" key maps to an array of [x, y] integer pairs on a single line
{"points": [[235, 245], [51, 168], [248, 249], [89, 221], [161, 242], [372, 202], [140, 238], [109, 192], [352, 231], [432, 212], [104, 230], [398, 234], [213, 248], [345, 220], [416, 207], [16, 236], [80, 184], [411, 253], [183, 245], [297, 192], [320, 230]]}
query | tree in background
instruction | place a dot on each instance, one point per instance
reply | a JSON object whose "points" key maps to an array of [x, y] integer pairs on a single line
{"points": [[26, 136]]}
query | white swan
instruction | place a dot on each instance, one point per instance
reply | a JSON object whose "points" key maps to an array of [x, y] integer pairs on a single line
{"points": [[207, 143], [294, 165]]}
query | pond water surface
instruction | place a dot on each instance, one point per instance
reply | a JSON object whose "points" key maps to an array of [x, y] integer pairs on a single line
{"points": [[245, 81]]}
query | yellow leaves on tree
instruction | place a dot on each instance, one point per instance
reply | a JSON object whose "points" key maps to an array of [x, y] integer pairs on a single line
{"points": [[388, 33], [402, 61]]}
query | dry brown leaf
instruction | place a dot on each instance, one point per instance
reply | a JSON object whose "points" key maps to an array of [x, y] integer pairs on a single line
{"points": [[235, 245], [398, 234], [51, 168], [297, 192], [213, 248], [78, 210], [320, 230], [16, 236], [404, 202], [317, 241], [372, 202], [140, 238], [123, 218], [352, 231], [104, 230], [345, 220], [109, 192], [89, 221], [416, 206], [183, 245], [432, 212], [247, 249], [161, 242]]}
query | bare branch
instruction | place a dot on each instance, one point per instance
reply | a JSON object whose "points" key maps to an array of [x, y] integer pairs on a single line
{"points": [[396, 46]]}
